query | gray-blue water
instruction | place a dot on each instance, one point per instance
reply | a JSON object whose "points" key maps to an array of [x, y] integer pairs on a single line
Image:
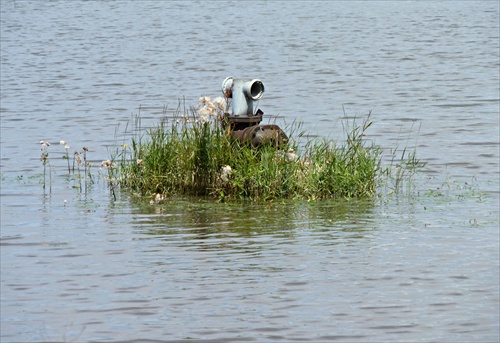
{"points": [[76, 265]]}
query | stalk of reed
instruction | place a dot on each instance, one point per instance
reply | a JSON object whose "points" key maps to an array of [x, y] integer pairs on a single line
{"points": [[44, 157]]}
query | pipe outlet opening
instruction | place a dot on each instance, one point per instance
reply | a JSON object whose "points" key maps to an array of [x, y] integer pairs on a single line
{"points": [[254, 89]]}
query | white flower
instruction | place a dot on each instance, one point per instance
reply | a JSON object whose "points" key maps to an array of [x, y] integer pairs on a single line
{"points": [[207, 108], [159, 198], [106, 164], [204, 99], [220, 103], [225, 173], [205, 112], [62, 142], [210, 106], [291, 155]]}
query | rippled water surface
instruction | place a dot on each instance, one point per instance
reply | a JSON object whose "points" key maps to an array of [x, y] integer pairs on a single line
{"points": [[77, 265]]}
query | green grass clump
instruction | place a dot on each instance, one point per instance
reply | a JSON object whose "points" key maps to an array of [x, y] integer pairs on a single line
{"points": [[191, 157]]}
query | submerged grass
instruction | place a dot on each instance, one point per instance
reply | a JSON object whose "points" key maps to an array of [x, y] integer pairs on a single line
{"points": [[185, 156]]}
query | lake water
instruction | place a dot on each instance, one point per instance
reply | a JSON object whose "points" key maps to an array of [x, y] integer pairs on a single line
{"points": [[76, 265]]}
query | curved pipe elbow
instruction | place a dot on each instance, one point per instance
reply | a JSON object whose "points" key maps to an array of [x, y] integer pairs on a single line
{"points": [[227, 87], [243, 93]]}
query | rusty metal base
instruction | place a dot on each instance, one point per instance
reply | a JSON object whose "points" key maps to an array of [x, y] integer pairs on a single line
{"points": [[248, 130], [258, 135]]}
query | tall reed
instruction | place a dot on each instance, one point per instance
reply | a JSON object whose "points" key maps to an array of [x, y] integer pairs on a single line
{"points": [[402, 169], [44, 157]]}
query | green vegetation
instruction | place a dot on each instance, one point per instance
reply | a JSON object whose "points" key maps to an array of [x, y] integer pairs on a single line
{"points": [[189, 156]]}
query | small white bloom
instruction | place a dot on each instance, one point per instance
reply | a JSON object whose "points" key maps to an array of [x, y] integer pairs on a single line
{"points": [[225, 173], [106, 163], [306, 162], [159, 198], [291, 155], [204, 99], [210, 106], [62, 142], [204, 111], [220, 103]]}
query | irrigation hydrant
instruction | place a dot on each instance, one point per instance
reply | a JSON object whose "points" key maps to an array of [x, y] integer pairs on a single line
{"points": [[243, 121], [244, 93]]}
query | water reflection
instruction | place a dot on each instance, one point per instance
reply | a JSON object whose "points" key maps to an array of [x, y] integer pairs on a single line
{"points": [[213, 225]]}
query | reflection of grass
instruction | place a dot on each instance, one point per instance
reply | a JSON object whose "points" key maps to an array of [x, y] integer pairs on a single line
{"points": [[340, 220], [187, 156]]}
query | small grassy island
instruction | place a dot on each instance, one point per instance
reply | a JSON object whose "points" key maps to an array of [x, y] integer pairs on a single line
{"points": [[195, 154]]}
